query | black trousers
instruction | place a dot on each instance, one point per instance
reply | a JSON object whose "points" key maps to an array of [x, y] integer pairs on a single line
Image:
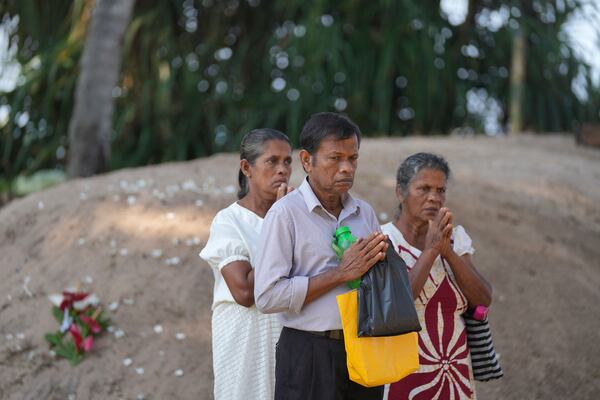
{"points": [[312, 367]]}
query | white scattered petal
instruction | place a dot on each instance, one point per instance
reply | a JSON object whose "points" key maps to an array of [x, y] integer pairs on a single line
{"points": [[81, 241], [119, 333], [180, 336], [190, 185], [56, 299], [383, 217], [83, 196], [127, 362], [113, 306], [139, 371], [9, 297], [110, 329], [161, 353], [20, 336], [199, 203], [179, 372], [71, 396], [171, 215], [52, 353], [26, 282], [131, 200], [40, 205], [173, 261], [129, 301], [9, 336], [229, 189], [91, 300], [123, 251], [88, 279], [156, 253], [141, 396], [158, 328]]}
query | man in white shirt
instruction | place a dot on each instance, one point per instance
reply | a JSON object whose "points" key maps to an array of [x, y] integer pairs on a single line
{"points": [[297, 273]]}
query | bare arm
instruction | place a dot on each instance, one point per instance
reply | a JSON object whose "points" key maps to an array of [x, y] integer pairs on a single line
{"points": [[474, 286], [355, 262], [239, 277], [438, 236]]}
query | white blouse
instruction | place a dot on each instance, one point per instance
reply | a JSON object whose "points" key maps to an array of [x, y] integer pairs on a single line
{"points": [[234, 235]]}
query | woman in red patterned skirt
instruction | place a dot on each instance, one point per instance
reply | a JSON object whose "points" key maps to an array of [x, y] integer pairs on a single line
{"points": [[443, 278]]}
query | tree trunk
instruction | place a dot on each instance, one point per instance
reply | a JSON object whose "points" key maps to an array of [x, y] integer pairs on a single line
{"points": [[91, 123], [517, 82]]}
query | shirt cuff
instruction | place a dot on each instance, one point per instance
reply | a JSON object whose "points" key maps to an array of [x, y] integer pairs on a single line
{"points": [[230, 259], [299, 290]]}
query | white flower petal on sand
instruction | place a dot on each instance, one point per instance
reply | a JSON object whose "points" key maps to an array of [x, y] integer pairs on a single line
{"points": [[140, 371], [119, 333], [179, 372], [113, 306], [156, 253], [127, 362], [158, 328], [91, 300], [180, 336], [56, 299], [26, 282]]}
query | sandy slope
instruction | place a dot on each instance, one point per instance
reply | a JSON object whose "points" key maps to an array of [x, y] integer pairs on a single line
{"points": [[531, 204]]}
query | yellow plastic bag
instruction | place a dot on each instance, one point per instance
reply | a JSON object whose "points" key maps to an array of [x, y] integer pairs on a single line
{"points": [[374, 361]]}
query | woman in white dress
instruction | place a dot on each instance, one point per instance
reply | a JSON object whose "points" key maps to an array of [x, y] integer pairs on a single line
{"points": [[243, 339], [443, 278]]}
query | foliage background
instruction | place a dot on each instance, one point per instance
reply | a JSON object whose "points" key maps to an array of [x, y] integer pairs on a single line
{"points": [[197, 75]]}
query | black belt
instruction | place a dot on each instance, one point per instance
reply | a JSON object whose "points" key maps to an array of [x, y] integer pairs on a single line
{"points": [[336, 334]]}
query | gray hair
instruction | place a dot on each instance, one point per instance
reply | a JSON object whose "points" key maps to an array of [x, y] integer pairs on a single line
{"points": [[251, 148], [415, 164]]}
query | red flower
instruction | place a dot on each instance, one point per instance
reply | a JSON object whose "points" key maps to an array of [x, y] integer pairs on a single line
{"points": [[87, 343], [70, 297], [77, 339], [91, 323]]}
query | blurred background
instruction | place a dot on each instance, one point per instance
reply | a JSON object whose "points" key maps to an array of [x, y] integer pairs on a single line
{"points": [[124, 83]]}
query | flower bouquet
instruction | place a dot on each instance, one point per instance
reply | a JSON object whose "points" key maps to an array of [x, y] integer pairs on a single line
{"points": [[81, 319]]}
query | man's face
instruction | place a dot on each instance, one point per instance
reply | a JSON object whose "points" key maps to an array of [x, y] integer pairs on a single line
{"points": [[331, 168]]}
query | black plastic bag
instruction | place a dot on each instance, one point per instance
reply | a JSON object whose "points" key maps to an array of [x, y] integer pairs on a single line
{"points": [[385, 301]]}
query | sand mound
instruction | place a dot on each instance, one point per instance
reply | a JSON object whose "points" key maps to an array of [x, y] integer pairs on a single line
{"points": [[132, 237]]}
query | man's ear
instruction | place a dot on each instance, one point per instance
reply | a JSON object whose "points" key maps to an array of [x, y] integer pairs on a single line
{"points": [[245, 167], [306, 160]]}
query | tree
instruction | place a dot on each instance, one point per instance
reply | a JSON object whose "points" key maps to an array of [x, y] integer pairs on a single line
{"points": [[91, 123]]}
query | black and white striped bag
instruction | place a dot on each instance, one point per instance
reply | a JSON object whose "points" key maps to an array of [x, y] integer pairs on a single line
{"points": [[483, 356]]}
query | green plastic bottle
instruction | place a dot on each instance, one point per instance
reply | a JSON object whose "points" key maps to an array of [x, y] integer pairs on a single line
{"points": [[343, 238]]}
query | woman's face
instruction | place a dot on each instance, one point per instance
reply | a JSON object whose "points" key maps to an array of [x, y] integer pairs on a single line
{"points": [[271, 169], [426, 194]]}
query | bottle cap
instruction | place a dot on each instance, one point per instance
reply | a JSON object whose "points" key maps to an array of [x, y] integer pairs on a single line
{"points": [[341, 230]]}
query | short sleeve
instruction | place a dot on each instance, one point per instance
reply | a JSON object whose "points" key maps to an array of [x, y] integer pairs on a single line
{"points": [[462, 242], [224, 245]]}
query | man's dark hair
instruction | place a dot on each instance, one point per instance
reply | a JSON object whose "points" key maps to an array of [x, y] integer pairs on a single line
{"points": [[324, 124]]}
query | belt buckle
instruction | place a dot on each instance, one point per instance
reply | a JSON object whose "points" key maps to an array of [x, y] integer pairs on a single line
{"points": [[336, 334]]}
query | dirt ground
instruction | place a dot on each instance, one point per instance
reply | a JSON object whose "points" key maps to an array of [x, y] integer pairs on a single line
{"points": [[531, 204]]}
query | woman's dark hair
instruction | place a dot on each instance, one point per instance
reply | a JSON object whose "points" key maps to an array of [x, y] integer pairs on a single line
{"points": [[324, 124], [417, 162], [252, 147]]}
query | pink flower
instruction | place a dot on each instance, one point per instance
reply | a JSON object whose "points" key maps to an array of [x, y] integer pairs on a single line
{"points": [[88, 343], [77, 339], [91, 323]]}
